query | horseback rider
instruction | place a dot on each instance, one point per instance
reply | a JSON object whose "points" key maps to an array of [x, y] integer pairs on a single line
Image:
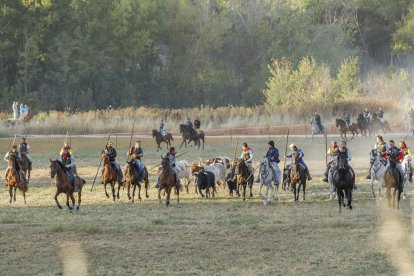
{"points": [[24, 149], [367, 115], [136, 153], [197, 125], [407, 154], [332, 152], [295, 150], [380, 115], [173, 164], [189, 124], [381, 148], [343, 148], [347, 119], [247, 156], [272, 156], [163, 130], [69, 163], [111, 153], [396, 153], [66, 145], [13, 152], [318, 121]]}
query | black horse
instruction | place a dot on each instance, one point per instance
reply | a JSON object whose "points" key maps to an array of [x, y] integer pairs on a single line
{"points": [[363, 125], [343, 180], [189, 133]]}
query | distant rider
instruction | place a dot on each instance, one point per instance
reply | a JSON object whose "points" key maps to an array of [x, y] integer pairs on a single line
{"points": [[69, 163], [173, 163], [295, 150], [136, 153], [24, 149]]}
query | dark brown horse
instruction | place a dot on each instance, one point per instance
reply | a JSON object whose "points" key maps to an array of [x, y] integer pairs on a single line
{"points": [[167, 181], [343, 179], [243, 177], [25, 165], [297, 176], [15, 180], [392, 179], [132, 179], [191, 135], [63, 184], [109, 176], [160, 139], [343, 128]]}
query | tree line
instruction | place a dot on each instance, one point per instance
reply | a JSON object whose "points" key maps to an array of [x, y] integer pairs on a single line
{"points": [[82, 54]]}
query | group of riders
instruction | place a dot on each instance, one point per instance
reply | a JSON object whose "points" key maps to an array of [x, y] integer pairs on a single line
{"points": [[193, 128], [136, 154], [367, 115]]}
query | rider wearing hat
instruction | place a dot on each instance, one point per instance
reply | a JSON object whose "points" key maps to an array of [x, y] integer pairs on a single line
{"points": [[295, 150], [163, 130], [24, 149], [111, 153], [272, 156], [407, 154], [397, 154], [136, 153], [247, 156], [69, 163], [173, 162], [332, 152], [381, 148], [13, 152]]}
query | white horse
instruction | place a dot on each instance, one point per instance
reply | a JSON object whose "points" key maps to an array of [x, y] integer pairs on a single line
{"points": [[266, 178], [407, 168], [316, 129], [378, 168], [332, 189]]}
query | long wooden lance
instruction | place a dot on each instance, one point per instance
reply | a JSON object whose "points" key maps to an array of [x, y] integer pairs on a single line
{"points": [[130, 139], [234, 155], [14, 140], [100, 162], [286, 148], [170, 164], [66, 137]]}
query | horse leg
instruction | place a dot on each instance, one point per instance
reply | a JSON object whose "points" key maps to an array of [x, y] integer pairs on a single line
{"points": [[14, 193], [56, 199], [168, 195], [67, 202], [11, 194], [113, 191], [350, 198], [398, 198], [294, 191], [389, 196], [304, 190], [338, 194], [372, 186], [159, 194], [73, 200], [139, 192], [178, 196], [260, 189], [394, 192], [251, 187], [133, 193], [146, 186], [24, 194], [244, 191], [128, 192], [106, 193], [119, 187], [79, 200]]}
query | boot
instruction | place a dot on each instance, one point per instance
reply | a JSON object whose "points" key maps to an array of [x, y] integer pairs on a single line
{"points": [[308, 174], [326, 175]]}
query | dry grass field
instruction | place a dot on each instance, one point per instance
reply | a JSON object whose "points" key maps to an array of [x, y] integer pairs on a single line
{"points": [[201, 236]]}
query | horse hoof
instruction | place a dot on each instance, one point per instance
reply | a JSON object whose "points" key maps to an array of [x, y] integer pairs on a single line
{"points": [[244, 199], [139, 199], [404, 197], [147, 196], [107, 195], [77, 208], [350, 207]]}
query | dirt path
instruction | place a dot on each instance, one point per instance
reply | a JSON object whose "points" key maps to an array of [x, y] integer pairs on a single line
{"points": [[73, 258]]}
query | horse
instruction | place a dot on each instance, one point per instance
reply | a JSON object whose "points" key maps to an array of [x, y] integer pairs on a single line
{"points": [[377, 171], [363, 125], [392, 179], [110, 176], [191, 135], [343, 180], [316, 128], [377, 125], [266, 178], [297, 176], [25, 165], [132, 179], [244, 177], [406, 164], [63, 184], [343, 128], [285, 183], [167, 181], [160, 139], [14, 180]]}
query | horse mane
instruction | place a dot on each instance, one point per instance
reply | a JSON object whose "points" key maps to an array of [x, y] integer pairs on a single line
{"points": [[60, 164]]}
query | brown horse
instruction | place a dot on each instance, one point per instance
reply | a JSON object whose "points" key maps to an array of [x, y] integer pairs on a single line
{"points": [[15, 180], [25, 165], [160, 139], [243, 178], [191, 135], [132, 179], [167, 181], [297, 176], [343, 128], [109, 176], [63, 184], [392, 179]]}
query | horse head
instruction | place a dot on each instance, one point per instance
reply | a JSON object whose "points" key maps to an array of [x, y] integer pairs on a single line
{"points": [[154, 133], [393, 162], [54, 167], [105, 158], [182, 128], [337, 122], [373, 154], [165, 164], [342, 161]]}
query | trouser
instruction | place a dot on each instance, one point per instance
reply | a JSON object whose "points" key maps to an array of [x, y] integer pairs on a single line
{"points": [[275, 170]]}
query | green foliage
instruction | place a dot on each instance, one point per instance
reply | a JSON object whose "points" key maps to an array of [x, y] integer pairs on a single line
{"points": [[90, 54], [310, 82]]}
